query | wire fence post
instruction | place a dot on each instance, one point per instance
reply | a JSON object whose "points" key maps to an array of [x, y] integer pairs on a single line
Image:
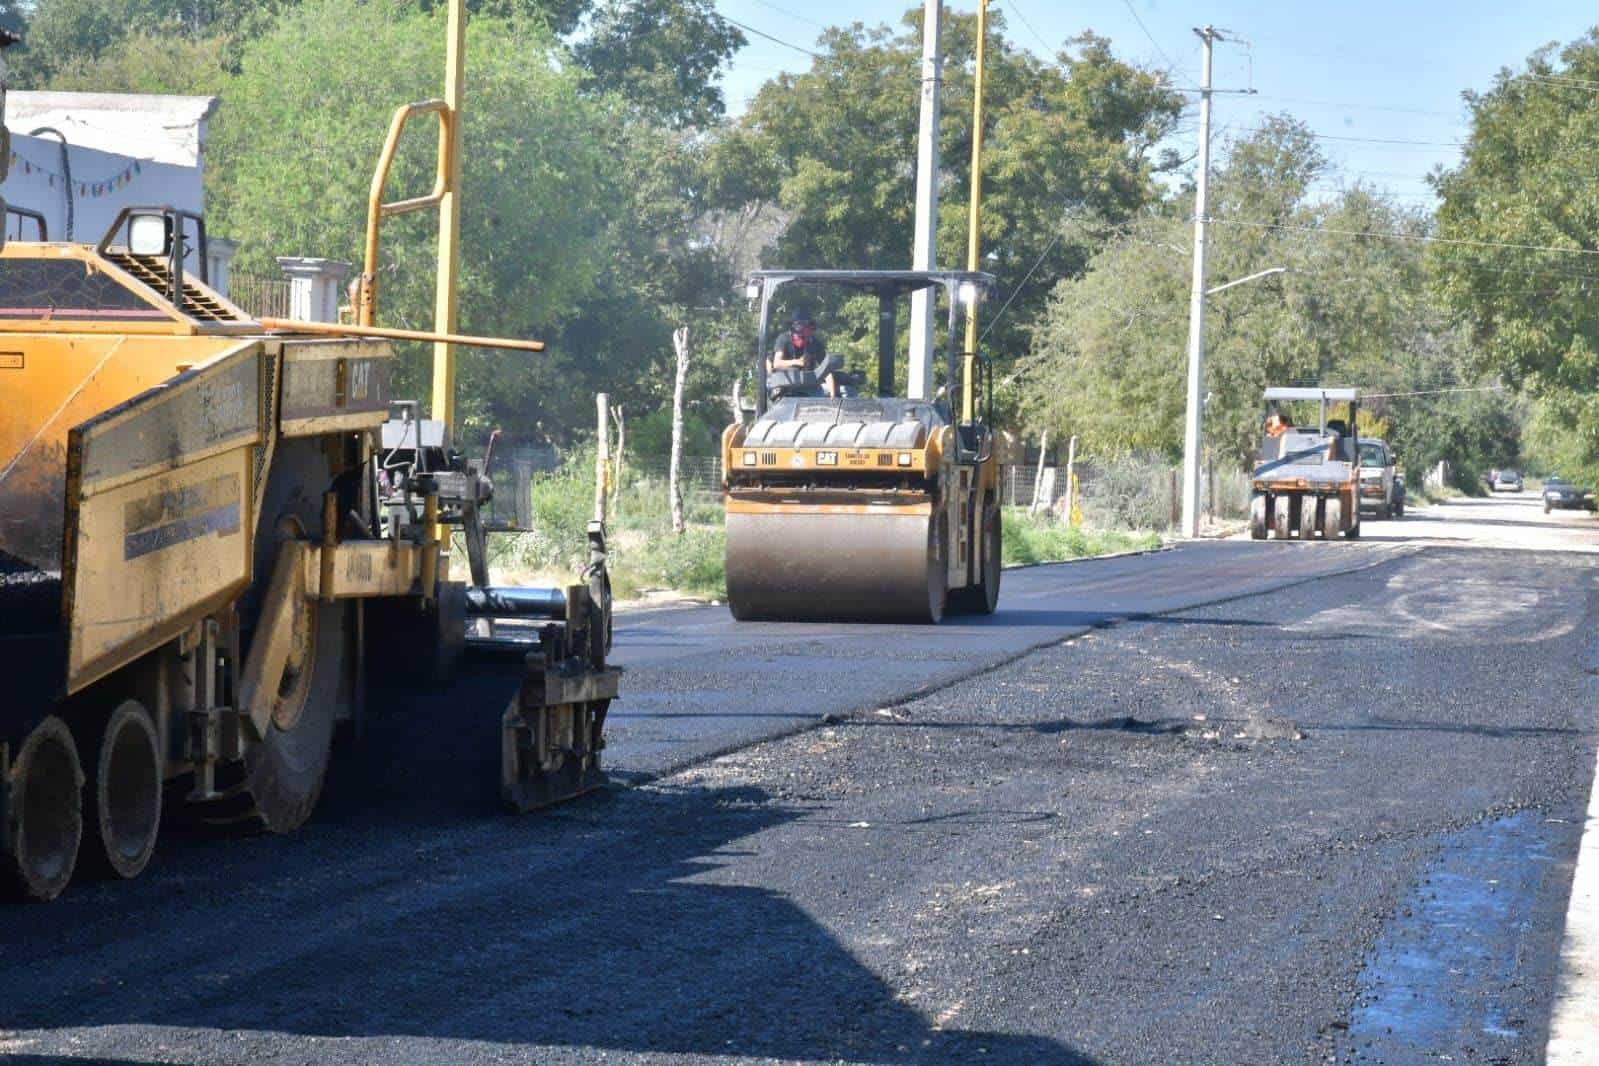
{"points": [[1038, 479], [602, 454], [1073, 515]]}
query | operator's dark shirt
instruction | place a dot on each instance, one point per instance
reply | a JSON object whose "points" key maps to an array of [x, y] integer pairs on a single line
{"points": [[813, 352]]}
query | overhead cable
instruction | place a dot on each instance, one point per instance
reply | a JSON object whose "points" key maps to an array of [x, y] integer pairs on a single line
{"points": [[1422, 238]]}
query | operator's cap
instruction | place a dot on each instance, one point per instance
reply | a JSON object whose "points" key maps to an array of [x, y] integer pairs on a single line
{"points": [[802, 317]]}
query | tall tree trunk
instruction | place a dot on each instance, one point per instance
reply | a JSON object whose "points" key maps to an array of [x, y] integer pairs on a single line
{"points": [[675, 475], [1038, 480], [602, 455]]}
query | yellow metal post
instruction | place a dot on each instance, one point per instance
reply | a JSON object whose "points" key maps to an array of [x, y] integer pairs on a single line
{"points": [[444, 309], [973, 237]]}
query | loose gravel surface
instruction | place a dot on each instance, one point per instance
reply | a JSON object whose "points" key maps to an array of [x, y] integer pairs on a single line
{"points": [[1262, 831]]}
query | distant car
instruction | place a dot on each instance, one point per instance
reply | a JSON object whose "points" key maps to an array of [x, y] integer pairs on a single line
{"points": [[1376, 477], [1564, 495], [1507, 481]]}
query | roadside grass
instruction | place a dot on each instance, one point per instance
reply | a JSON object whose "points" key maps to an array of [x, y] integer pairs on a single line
{"points": [[644, 554], [1032, 539], [647, 557], [1431, 494]]}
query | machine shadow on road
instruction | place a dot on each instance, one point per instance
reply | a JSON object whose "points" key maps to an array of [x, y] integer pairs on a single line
{"points": [[616, 923]]}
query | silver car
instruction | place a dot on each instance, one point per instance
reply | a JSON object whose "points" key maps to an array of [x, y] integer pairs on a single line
{"points": [[1507, 481]]}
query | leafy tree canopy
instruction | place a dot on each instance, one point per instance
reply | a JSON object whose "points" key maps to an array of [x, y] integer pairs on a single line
{"points": [[292, 151], [662, 56], [1109, 358], [1524, 200]]}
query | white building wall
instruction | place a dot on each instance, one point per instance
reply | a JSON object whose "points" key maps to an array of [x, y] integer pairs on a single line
{"points": [[124, 150], [36, 182]]}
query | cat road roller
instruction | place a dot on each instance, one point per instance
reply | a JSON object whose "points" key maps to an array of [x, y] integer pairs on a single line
{"points": [[842, 506], [1307, 479], [208, 524]]}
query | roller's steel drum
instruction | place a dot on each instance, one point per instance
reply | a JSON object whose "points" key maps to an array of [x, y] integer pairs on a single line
{"points": [[808, 565]]}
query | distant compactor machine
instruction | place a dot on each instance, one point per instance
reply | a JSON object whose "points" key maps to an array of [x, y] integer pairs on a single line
{"points": [[847, 507], [1308, 477], [207, 522]]}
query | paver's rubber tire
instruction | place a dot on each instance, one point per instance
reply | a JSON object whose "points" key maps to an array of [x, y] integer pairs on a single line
{"points": [[1309, 517], [122, 796], [983, 597], [1332, 517], [1282, 514], [44, 812], [283, 773], [280, 781], [1257, 518]]}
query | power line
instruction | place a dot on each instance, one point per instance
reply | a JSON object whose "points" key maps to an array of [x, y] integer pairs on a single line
{"points": [[762, 33], [1171, 67], [1388, 235], [1431, 392], [1017, 291], [791, 14], [1048, 52], [1567, 82], [1351, 105], [1366, 140]]}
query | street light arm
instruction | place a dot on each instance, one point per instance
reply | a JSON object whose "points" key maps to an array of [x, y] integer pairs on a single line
{"points": [[1245, 280]]}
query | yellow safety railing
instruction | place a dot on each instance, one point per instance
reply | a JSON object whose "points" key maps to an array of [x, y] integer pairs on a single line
{"points": [[377, 210]]}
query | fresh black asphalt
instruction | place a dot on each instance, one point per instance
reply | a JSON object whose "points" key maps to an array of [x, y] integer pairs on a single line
{"points": [[1330, 822]]}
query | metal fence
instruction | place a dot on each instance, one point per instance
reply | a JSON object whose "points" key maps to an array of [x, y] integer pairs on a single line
{"points": [[1127, 493], [702, 474], [1136, 492], [259, 295]]}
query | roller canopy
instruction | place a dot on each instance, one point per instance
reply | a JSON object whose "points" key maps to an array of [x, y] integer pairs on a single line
{"points": [[891, 281], [1330, 395]]}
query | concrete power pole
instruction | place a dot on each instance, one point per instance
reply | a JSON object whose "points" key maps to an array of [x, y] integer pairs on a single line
{"points": [[919, 383], [1196, 305]]}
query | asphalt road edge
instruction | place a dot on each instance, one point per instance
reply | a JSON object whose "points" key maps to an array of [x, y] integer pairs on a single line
{"points": [[1574, 1019]]}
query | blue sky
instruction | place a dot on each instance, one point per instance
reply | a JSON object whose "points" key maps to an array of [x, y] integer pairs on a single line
{"points": [[1361, 69]]}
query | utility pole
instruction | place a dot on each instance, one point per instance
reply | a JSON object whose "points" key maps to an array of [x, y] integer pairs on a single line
{"points": [[974, 236], [450, 142], [919, 379], [1196, 304]]}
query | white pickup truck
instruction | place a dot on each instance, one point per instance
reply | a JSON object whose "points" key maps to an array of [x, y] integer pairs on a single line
{"points": [[1377, 492]]}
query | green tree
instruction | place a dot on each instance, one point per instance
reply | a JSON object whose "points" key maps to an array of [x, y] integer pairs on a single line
{"points": [[297, 139], [662, 56], [1109, 359], [151, 61], [1524, 201]]}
